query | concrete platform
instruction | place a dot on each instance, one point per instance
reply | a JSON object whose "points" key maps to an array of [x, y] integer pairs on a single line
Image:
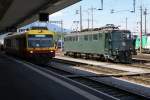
{"points": [[142, 57], [107, 65], [20, 81]]}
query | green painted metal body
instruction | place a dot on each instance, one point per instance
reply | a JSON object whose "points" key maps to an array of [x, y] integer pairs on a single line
{"points": [[87, 46], [110, 43], [144, 42]]}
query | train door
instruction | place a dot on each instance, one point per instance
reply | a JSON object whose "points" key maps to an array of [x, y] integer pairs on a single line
{"points": [[22, 45], [107, 41]]}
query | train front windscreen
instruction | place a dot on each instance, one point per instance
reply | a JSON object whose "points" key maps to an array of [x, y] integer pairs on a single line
{"points": [[121, 40], [40, 41]]}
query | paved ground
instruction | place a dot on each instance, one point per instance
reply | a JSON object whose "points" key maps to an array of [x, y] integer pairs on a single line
{"points": [[20, 81]]}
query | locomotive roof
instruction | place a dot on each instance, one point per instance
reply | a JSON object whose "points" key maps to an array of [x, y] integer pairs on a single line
{"points": [[95, 32], [13, 34]]}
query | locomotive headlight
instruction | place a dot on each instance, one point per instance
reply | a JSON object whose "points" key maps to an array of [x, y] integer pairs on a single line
{"points": [[130, 48], [123, 44], [31, 51], [51, 51]]}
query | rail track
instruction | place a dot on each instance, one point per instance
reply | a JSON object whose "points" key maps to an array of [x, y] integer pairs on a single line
{"points": [[117, 93], [143, 79], [110, 90]]}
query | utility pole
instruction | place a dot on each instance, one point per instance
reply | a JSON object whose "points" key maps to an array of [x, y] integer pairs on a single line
{"points": [[88, 20], [92, 13], [141, 10], [126, 23], [92, 9], [80, 18], [145, 13]]}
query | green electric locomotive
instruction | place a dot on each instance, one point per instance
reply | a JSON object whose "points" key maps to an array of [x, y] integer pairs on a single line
{"points": [[105, 43]]}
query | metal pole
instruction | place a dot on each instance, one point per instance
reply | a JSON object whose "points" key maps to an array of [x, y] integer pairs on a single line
{"points": [[102, 4], [126, 23], [88, 21], [80, 18], [134, 1], [141, 30], [61, 34], [92, 17], [145, 13]]}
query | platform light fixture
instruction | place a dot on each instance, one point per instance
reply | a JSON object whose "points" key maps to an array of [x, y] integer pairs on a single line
{"points": [[43, 17]]}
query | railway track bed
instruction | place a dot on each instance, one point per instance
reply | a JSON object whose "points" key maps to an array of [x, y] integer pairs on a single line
{"points": [[103, 81], [132, 73], [142, 79]]}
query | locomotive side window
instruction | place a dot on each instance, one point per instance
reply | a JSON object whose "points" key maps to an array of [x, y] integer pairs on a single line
{"points": [[70, 38], [76, 38], [86, 37], [90, 37], [100, 35], [65, 39], [95, 37], [73, 38]]}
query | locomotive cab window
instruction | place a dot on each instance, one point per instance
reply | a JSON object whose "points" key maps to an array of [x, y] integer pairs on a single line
{"points": [[38, 41]]}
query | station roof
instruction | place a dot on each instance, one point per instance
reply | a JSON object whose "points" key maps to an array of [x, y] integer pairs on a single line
{"points": [[17, 13]]}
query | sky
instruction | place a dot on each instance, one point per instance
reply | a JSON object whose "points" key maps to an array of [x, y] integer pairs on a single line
{"points": [[103, 17]]}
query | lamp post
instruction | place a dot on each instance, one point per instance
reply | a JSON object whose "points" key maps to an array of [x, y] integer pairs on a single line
{"points": [[113, 11]]}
